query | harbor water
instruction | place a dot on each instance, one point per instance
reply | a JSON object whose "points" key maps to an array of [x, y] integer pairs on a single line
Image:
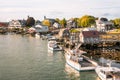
{"points": [[28, 58]]}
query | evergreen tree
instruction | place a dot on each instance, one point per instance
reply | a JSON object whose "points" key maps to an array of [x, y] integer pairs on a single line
{"points": [[30, 21]]}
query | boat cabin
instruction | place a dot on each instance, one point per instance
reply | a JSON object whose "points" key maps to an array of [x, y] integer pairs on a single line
{"points": [[106, 74]]}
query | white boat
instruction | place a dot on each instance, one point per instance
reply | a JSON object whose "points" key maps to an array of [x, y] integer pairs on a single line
{"points": [[108, 73], [47, 36], [52, 45], [78, 61], [52, 38]]}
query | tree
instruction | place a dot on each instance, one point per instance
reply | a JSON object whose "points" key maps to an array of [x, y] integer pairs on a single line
{"points": [[117, 22], [86, 21], [57, 20], [79, 22], [46, 23], [30, 21], [63, 22]]}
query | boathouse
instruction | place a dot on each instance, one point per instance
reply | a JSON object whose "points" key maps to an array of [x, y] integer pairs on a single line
{"points": [[89, 37]]}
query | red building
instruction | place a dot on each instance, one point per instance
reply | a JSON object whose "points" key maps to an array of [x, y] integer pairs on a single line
{"points": [[3, 24]]}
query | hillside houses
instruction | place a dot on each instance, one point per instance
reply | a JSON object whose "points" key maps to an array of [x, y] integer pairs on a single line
{"points": [[64, 33], [37, 22], [56, 25], [41, 28], [52, 21], [71, 23], [38, 29], [85, 35], [17, 23], [102, 24]]}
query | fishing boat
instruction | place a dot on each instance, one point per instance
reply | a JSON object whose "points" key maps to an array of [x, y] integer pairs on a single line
{"points": [[108, 73], [52, 45], [78, 61]]}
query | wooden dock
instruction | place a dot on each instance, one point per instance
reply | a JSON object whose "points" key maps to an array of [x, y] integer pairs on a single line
{"points": [[110, 38]]}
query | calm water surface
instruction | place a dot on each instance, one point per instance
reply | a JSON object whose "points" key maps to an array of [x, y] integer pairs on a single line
{"points": [[27, 58]]}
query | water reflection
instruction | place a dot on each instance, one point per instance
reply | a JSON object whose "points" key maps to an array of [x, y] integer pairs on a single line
{"points": [[72, 73], [51, 53], [97, 78], [28, 58]]}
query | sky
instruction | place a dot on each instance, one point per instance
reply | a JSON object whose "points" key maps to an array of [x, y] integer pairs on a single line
{"points": [[21, 9]]}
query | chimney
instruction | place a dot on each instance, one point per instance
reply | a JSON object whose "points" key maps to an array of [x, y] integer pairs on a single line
{"points": [[28, 16], [45, 17]]}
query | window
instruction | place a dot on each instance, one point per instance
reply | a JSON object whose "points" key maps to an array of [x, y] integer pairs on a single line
{"points": [[94, 33]]}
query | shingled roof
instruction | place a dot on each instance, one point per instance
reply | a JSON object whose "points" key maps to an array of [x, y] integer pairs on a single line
{"points": [[88, 34]]}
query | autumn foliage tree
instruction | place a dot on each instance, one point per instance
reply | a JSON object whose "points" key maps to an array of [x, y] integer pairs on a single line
{"points": [[86, 21], [30, 21], [63, 22], [57, 20], [117, 22], [46, 23]]}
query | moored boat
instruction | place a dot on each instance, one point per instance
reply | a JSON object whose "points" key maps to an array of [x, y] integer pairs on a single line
{"points": [[52, 45], [79, 62], [108, 73]]}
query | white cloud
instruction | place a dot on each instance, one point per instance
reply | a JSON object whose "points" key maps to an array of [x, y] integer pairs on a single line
{"points": [[58, 8]]}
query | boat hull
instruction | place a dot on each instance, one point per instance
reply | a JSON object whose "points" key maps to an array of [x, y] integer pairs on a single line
{"points": [[52, 48], [77, 65], [105, 73]]}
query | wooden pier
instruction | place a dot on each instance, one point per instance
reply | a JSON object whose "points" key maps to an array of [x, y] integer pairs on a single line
{"points": [[106, 40], [110, 37]]}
